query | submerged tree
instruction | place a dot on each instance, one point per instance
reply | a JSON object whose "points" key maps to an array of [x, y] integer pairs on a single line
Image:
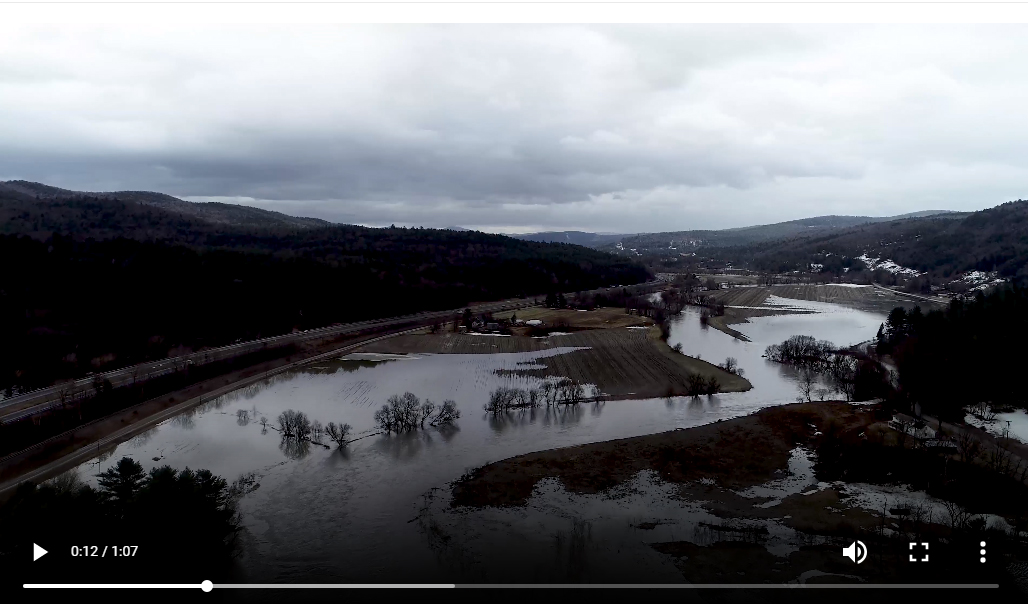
{"points": [[294, 424], [339, 433], [448, 413], [405, 413]]}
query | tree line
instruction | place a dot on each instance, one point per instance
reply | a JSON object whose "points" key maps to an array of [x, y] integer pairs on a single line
{"points": [[965, 355], [70, 306], [181, 520]]}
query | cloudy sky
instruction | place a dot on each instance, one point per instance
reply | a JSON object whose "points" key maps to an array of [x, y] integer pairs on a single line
{"points": [[526, 128]]}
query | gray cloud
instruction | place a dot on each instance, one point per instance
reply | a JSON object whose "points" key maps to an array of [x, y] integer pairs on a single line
{"points": [[515, 128]]}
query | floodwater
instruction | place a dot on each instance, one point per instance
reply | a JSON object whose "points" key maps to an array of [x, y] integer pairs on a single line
{"points": [[366, 513], [773, 383]]}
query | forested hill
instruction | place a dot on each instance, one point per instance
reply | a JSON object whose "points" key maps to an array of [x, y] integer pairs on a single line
{"points": [[116, 282], [677, 242], [33, 207], [594, 240], [944, 247]]}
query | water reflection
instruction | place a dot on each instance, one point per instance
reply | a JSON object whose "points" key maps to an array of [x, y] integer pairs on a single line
{"points": [[773, 383], [184, 421], [404, 445], [142, 438], [344, 510], [294, 448]]}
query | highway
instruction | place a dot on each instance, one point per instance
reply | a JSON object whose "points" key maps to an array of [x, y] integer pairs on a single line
{"points": [[87, 452], [939, 301], [39, 401]]}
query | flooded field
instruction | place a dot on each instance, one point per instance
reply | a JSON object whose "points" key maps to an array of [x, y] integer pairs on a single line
{"points": [[324, 514]]}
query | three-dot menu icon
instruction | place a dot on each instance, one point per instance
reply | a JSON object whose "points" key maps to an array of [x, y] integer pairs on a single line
{"points": [[982, 552]]}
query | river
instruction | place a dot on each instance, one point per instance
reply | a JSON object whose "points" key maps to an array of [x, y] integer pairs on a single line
{"points": [[330, 515]]}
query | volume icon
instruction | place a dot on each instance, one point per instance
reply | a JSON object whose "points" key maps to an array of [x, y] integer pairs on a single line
{"points": [[857, 551]]}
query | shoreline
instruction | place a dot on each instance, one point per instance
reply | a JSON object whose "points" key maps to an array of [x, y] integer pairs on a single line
{"points": [[70, 449], [769, 497], [754, 446]]}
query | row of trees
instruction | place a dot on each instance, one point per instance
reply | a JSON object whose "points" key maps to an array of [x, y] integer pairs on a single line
{"points": [[296, 427], [406, 412], [696, 385], [564, 391]]}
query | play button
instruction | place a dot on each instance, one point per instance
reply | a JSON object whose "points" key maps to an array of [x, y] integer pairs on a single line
{"points": [[37, 552]]}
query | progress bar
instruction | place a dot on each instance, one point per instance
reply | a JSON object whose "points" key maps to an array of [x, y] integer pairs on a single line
{"points": [[208, 586]]}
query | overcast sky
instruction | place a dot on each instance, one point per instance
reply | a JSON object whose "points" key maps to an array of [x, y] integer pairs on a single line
{"points": [[517, 128]]}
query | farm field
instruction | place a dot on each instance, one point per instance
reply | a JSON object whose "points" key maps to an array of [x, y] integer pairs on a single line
{"points": [[630, 363], [749, 301], [868, 298], [621, 362], [600, 318], [735, 280]]}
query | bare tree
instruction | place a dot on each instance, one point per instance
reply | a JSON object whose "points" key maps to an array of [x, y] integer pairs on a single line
{"points": [[448, 413], [807, 381], [958, 516], [339, 433], [968, 445], [983, 410], [294, 424], [426, 411]]}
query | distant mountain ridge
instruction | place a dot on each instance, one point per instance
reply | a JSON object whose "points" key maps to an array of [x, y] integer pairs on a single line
{"points": [[702, 238], [594, 240], [210, 212], [690, 241], [941, 246]]}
